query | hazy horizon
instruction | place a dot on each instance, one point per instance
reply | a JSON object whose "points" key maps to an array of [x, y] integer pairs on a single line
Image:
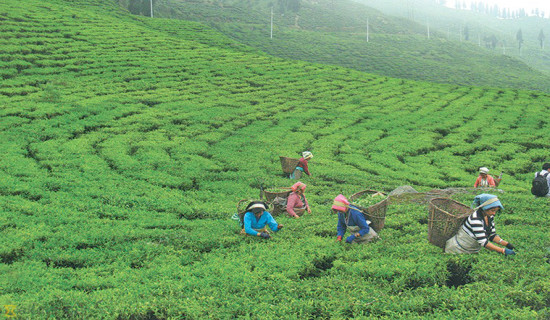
{"points": [[528, 5]]}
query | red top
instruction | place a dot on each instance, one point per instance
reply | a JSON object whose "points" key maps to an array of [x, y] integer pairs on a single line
{"points": [[490, 181], [303, 164]]}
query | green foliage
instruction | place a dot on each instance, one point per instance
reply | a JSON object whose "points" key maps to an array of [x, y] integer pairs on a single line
{"points": [[335, 32], [126, 147]]}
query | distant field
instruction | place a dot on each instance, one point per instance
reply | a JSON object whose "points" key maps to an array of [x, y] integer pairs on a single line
{"points": [[127, 144], [335, 33]]}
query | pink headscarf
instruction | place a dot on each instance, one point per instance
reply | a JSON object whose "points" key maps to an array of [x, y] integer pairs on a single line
{"points": [[340, 203], [298, 185]]}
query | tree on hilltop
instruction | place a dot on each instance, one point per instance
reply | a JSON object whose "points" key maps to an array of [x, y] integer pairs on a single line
{"points": [[519, 38], [541, 39]]}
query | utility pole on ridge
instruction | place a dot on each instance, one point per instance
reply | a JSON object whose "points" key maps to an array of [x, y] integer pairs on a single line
{"points": [[367, 29]]}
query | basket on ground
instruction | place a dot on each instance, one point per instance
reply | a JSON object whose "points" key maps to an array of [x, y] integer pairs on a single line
{"points": [[375, 213], [289, 164], [445, 217], [271, 196]]}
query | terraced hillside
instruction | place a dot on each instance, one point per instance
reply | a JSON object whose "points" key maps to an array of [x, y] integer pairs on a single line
{"points": [[127, 143], [454, 24], [335, 32]]}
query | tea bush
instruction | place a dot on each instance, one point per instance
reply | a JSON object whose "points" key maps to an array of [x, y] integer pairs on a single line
{"points": [[128, 143]]}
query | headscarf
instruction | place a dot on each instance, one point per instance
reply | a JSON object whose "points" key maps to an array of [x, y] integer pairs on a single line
{"points": [[298, 185], [307, 155], [483, 170], [484, 201], [340, 203]]}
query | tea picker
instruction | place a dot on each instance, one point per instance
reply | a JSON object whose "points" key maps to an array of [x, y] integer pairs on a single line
{"points": [[302, 167], [485, 180], [257, 219], [541, 183], [478, 230], [297, 202], [352, 219]]}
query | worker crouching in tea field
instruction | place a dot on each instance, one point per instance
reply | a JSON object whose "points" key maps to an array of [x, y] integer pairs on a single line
{"points": [[302, 166], [478, 230], [297, 203], [257, 219], [484, 180], [350, 218]]}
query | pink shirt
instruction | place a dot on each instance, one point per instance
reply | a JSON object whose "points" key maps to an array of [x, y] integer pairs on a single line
{"points": [[294, 201]]}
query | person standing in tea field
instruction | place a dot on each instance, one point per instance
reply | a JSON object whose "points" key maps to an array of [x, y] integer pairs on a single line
{"points": [[541, 183], [352, 219], [257, 219], [485, 180], [302, 166], [296, 202], [478, 230]]}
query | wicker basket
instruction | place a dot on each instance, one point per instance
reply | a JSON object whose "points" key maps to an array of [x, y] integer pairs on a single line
{"points": [[375, 213], [445, 217], [289, 164], [271, 194]]}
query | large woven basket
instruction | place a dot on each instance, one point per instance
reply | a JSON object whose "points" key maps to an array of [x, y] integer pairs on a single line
{"points": [[288, 164], [375, 213], [445, 218], [271, 194]]}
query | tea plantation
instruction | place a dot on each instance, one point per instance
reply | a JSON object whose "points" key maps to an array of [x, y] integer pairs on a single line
{"points": [[126, 148], [335, 32]]}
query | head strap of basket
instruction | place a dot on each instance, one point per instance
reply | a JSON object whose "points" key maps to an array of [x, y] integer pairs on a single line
{"points": [[298, 185], [486, 202], [307, 154], [340, 203]]}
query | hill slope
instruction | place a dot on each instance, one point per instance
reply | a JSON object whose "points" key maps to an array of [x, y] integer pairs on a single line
{"points": [[335, 33], [128, 143], [453, 24]]}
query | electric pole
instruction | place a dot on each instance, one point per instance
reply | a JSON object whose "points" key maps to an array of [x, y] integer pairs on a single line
{"points": [[367, 29]]}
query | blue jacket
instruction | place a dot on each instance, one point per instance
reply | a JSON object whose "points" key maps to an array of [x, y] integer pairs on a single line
{"points": [[355, 218], [251, 223]]}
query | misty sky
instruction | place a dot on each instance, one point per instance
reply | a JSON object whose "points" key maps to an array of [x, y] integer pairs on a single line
{"points": [[528, 5]]}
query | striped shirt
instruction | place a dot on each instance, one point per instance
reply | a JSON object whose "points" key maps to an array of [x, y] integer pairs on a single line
{"points": [[476, 228]]}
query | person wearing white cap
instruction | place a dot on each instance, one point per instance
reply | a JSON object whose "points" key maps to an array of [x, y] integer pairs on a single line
{"points": [[302, 166], [257, 219], [484, 180], [478, 230]]}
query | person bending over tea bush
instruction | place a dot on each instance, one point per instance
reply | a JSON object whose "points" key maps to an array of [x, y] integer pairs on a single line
{"points": [[350, 218], [541, 184], [485, 180], [478, 230], [297, 203], [257, 219], [302, 166]]}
